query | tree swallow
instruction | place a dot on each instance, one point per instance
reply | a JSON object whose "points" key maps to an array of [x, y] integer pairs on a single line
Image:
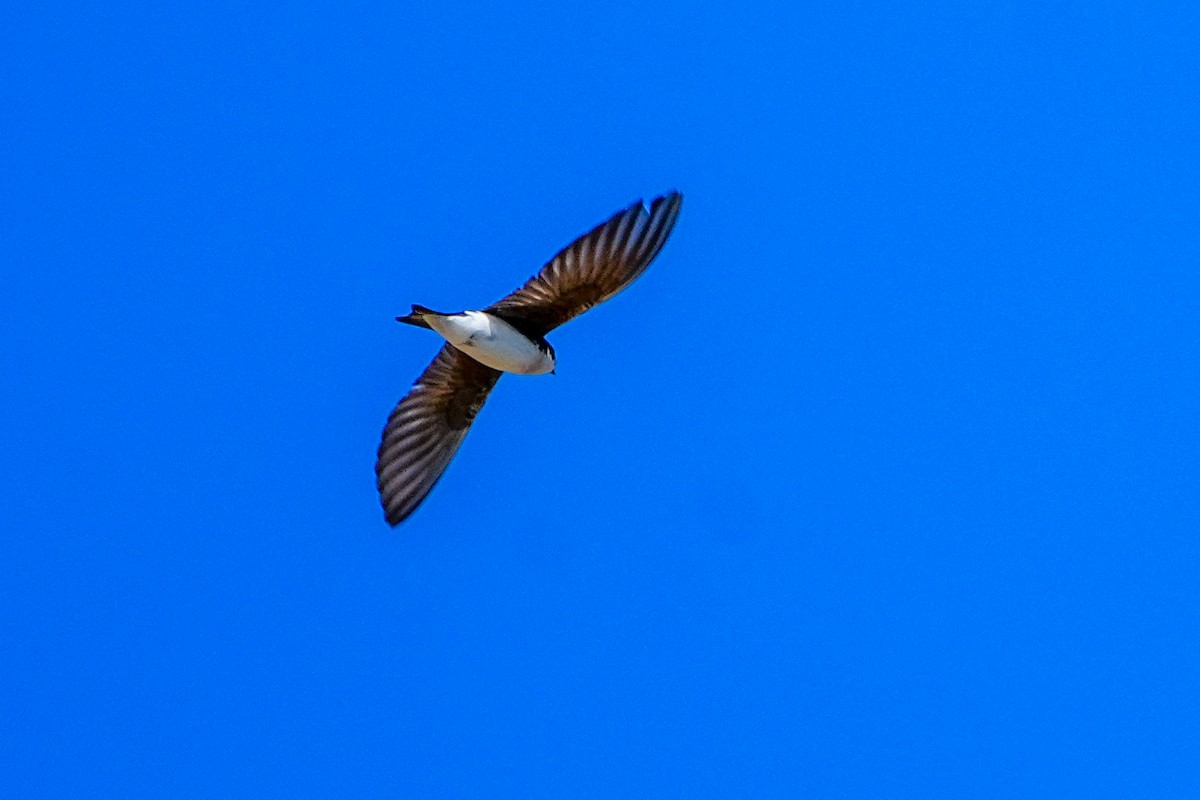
{"points": [[425, 430]]}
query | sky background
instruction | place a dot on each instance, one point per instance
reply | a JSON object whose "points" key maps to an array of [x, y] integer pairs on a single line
{"points": [[881, 482]]}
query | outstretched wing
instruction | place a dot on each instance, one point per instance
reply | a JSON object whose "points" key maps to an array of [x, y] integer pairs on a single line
{"points": [[591, 269], [425, 429]]}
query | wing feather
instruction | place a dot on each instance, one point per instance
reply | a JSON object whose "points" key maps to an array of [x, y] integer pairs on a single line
{"points": [[591, 269], [426, 428]]}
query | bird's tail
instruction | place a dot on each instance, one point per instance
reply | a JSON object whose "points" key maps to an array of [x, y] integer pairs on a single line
{"points": [[417, 317]]}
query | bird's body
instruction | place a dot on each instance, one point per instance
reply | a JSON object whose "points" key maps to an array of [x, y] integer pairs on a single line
{"points": [[491, 341], [425, 430]]}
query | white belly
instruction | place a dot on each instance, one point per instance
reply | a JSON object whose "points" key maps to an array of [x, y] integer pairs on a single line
{"points": [[492, 341]]}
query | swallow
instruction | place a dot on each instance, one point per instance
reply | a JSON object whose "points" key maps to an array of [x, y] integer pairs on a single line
{"points": [[427, 427]]}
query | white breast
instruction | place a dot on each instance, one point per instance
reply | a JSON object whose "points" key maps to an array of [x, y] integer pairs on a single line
{"points": [[492, 341]]}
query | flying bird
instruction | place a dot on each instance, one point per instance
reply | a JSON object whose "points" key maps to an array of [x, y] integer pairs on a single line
{"points": [[425, 430]]}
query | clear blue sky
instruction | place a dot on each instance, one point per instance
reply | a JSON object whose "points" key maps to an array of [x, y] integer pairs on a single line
{"points": [[881, 482]]}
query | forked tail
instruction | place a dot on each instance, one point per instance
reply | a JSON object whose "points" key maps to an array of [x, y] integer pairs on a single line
{"points": [[417, 316]]}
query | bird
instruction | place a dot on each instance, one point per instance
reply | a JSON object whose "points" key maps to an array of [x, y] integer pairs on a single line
{"points": [[426, 428]]}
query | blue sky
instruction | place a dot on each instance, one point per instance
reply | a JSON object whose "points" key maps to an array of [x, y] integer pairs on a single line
{"points": [[881, 482]]}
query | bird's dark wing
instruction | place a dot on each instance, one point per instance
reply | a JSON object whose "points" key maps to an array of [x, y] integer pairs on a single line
{"points": [[424, 431], [592, 269]]}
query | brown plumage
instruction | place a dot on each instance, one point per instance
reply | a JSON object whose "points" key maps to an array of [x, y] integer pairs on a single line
{"points": [[591, 269], [426, 429]]}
